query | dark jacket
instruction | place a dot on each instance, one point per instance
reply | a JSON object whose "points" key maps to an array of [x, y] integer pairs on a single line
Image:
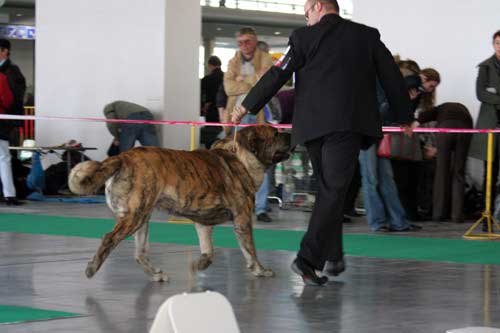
{"points": [[336, 63], [450, 113], [210, 85], [17, 84], [488, 77]]}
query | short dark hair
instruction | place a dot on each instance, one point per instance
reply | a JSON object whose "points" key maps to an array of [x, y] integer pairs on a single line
{"points": [[496, 34], [4, 44], [214, 61], [329, 3], [246, 31]]}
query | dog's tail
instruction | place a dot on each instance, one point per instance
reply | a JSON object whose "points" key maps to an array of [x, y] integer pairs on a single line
{"points": [[88, 177]]}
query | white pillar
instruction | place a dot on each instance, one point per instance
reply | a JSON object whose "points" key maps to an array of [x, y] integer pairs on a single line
{"points": [[182, 85], [89, 53]]}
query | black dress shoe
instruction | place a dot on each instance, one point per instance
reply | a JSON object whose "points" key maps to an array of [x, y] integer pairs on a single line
{"points": [[308, 273], [346, 219], [263, 217], [12, 201], [334, 268]]}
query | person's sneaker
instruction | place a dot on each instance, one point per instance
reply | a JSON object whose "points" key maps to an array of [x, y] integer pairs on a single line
{"points": [[382, 229], [12, 201], [263, 217], [409, 228], [308, 273], [334, 268]]}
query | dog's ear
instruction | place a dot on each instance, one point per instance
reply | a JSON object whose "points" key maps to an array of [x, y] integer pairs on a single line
{"points": [[248, 138]]}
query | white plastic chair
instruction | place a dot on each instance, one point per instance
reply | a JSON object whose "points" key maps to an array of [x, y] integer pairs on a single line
{"points": [[475, 330], [194, 313]]}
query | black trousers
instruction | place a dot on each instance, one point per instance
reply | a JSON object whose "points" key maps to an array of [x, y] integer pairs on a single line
{"points": [[333, 158], [352, 193], [449, 182]]}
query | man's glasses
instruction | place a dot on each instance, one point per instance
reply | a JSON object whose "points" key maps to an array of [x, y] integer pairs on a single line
{"points": [[244, 42], [308, 10]]}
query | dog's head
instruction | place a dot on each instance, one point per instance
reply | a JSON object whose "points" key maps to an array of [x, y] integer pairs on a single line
{"points": [[265, 142]]}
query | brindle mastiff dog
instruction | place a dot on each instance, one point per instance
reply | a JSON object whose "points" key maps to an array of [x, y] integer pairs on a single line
{"points": [[206, 186]]}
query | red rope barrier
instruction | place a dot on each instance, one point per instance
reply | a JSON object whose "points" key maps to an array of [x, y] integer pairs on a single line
{"points": [[200, 123]]}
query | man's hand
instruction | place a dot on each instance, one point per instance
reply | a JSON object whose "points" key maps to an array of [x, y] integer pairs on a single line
{"points": [[240, 78], [429, 152], [238, 113]]}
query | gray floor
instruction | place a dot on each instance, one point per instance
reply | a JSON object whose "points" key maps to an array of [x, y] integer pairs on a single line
{"points": [[374, 295]]}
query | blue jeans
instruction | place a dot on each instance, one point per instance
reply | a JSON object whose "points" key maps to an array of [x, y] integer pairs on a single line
{"points": [[381, 199], [36, 177], [144, 133], [265, 187]]}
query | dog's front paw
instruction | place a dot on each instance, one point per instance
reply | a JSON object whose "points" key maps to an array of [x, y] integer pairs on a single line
{"points": [[203, 262], [90, 270], [160, 277], [263, 272]]}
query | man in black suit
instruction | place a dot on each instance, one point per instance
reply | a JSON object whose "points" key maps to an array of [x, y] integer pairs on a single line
{"points": [[336, 63]]}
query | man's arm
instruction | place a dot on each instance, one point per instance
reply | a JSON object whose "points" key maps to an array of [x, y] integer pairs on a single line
{"points": [[274, 78], [232, 86], [483, 94], [392, 83], [109, 113]]}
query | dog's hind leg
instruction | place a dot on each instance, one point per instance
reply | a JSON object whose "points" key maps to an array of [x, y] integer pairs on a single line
{"points": [[206, 246], [124, 227], [141, 253], [244, 234]]}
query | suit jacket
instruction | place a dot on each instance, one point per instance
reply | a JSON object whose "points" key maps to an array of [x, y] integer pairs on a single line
{"points": [[337, 63]]}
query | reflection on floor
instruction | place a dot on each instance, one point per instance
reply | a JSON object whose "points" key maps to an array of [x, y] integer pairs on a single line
{"points": [[374, 295]]}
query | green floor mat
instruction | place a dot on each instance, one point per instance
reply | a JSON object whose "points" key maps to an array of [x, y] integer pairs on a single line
{"points": [[19, 314], [391, 247]]}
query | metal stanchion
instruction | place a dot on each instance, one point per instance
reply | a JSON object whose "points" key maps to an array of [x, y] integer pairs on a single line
{"points": [[490, 220], [193, 137]]}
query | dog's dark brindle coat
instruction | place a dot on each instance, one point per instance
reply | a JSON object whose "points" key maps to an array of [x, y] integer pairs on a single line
{"points": [[206, 186]]}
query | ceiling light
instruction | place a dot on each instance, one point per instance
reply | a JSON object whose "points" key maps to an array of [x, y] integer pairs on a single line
{"points": [[277, 33], [219, 29], [19, 14]]}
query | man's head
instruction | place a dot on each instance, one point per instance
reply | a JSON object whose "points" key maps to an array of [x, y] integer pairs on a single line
{"points": [[247, 42], [314, 10], [4, 48], [213, 63], [496, 43]]}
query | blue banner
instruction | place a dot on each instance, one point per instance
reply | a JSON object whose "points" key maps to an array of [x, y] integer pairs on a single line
{"points": [[17, 32]]}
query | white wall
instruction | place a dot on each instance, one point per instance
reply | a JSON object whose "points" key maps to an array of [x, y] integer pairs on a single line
{"points": [[449, 35], [92, 52]]}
